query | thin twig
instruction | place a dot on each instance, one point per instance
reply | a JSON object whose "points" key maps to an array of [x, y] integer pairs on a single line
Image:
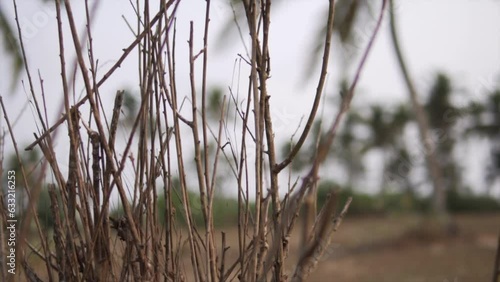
{"points": [[319, 91], [108, 74]]}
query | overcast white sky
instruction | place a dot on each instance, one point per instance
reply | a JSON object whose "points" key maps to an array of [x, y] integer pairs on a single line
{"points": [[460, 37]]}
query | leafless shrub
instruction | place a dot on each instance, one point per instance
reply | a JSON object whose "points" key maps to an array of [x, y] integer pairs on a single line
{"points": [[88, 245]]}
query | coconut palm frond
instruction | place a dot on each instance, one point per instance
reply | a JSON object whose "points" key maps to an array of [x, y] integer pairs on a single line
{"points": [[11, 45]]}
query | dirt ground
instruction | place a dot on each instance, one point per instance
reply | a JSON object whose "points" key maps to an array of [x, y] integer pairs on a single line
{"points": [[393, 249], [388, 249]]}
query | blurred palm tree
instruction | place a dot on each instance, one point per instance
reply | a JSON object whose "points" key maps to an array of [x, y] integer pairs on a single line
{"points": [[433, 167], [386, 134], [11, 45], [350, 149], [442, 118], [485, 122], [350, 16]]}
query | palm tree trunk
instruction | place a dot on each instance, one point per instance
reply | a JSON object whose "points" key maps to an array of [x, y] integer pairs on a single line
{"points": [[439, 198]]}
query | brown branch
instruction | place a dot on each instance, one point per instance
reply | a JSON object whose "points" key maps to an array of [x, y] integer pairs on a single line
{"points": [[321, 237], [319, 91], [223, 257], [108, 74], [290, 212], [180, 161], [197, 149], [121, 190], [258, 234], [33, 195], [212, 253]]}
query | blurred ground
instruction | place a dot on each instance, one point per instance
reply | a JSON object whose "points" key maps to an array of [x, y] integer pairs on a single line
{"points": [[387, 249]]}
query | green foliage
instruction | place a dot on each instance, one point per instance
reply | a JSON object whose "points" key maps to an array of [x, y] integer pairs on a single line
{"points": [[117, 211], [43, 210], [485, 116], [179, 215], [130, 107], [12, 47], [29, 160], [442, 119], [225, 210], [301, 159], [386, 127], [362, 203], [366, 204], [458, 202], [345, 18], [214, 105], [439, 102]]}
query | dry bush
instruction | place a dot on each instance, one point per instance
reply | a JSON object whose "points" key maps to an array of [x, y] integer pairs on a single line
{"points": [[88, 245]]}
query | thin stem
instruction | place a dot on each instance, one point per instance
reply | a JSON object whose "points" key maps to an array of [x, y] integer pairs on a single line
{"points": [[319, 90]]}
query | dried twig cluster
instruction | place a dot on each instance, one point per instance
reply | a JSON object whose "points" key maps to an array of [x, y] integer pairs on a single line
{"points": [[89, 245]]}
